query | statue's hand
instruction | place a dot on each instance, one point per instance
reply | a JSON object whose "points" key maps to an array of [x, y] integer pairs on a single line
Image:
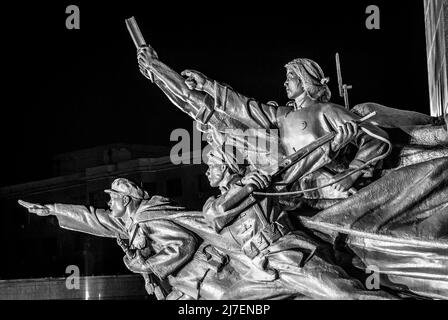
{"points": [[149, 286], [258, 178], [145, 56], [40, 210], [196, 80], [347, 183], [344, 134], [135, 264]]}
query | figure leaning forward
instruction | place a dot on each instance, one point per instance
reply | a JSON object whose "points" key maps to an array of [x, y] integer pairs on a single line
{"points": [[214, 254]]}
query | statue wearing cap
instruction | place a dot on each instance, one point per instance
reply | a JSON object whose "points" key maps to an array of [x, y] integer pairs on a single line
{"points": [[272, 260], [163, 235], [211, 258], [125, 187]]}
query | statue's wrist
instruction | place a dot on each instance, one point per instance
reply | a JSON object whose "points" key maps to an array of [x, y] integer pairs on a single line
{"points": [[209, 87], [334, 147], [51, 208]]}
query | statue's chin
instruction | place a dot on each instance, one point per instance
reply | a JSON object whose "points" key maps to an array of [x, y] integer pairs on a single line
{"points": [[214, 184], [117, 214]]}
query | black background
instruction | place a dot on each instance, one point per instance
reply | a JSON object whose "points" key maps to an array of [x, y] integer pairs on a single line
{"points": [[71, 89]]}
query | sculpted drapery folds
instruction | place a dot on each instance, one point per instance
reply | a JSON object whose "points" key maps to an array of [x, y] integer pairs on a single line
{"points": [[181, 248], [249, 249], [271, 261], [164, 235], [310, 116]]}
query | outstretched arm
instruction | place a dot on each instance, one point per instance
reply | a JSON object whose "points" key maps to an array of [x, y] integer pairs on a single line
{"points": [[93, 221], [198, 93], [196, 104], [247, 110]]}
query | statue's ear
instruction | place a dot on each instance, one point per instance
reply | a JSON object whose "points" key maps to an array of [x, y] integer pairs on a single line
{"points": [[125, 200], [223, 167]]}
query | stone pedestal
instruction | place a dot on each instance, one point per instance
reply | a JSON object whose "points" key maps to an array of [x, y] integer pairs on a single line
{"points": [[100, 287]]}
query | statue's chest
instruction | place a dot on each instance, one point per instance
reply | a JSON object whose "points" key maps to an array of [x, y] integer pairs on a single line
{"points": [[299, 128], [137, 238]]}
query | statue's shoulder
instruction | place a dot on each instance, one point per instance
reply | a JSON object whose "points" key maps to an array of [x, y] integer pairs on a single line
{"points": [[156, 201], [283, 111], [157, 207], [329, 107], [209, 202]]}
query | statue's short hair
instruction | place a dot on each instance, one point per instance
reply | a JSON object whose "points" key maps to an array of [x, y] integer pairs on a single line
{"points": [[313, 80]]}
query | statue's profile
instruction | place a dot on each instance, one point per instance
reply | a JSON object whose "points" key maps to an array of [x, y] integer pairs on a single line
{"points": [[345, 190], [244, 252]]}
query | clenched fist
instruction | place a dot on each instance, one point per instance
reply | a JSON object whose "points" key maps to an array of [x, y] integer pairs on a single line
{"points": [[344, 134], [196, 80], [145, 55], [257, 178], [136, 263]]}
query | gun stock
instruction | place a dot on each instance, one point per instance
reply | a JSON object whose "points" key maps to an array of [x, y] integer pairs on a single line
{"points": [[287, 163]]}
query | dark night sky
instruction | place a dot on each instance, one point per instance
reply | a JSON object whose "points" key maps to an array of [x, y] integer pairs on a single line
{"points": [[71, 89]]}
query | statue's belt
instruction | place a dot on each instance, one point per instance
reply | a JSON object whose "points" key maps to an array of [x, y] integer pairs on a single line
{"points": [[252, 248], [264, 238]]}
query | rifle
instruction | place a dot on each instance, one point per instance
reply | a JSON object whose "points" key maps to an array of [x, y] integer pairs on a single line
{"points": [[285, 164]]}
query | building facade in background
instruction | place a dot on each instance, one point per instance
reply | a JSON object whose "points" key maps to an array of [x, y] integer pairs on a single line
{"points": [[37, 247], [436, 24]]}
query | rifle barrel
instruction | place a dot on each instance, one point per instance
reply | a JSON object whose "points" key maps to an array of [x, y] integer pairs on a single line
{"points": [[338, 70]]}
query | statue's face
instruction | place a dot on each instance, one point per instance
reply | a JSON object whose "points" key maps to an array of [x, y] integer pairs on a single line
{"points": [[117, 205], [293, 84], [215, 173]]}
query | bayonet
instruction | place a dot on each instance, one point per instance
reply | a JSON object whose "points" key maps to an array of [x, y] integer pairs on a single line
{"points": [[343, 88]]}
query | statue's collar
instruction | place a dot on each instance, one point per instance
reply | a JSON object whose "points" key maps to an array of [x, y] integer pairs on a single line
{"points": [[128, 223]]}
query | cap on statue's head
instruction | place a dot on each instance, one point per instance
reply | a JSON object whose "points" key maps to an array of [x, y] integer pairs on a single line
{"points": [[128, 188]]}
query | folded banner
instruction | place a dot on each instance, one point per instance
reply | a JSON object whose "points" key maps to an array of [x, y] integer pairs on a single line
{"points": [[399, 224]]}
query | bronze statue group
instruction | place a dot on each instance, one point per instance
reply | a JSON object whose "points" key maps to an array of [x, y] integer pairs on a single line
{"points": [[374, 193]]}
